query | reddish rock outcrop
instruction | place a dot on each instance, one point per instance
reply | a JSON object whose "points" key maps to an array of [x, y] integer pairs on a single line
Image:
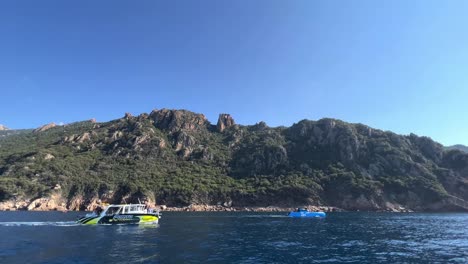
{"points": [[13, 205], [225, 121], [44, 127], [176, 120], [54, 202], [77, 203], [85, 137]]}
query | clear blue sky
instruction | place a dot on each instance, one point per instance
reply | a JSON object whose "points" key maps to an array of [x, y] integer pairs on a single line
{"points": [[395, 65]]}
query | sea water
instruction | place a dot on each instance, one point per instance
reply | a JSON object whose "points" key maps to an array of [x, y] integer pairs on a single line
{"points": [[185, 237]]}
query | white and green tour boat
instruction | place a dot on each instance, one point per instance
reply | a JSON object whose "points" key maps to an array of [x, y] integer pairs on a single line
{"points": [[121, 214]]}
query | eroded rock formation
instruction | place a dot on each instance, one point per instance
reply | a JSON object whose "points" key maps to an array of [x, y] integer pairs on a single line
{"points": [[225, 121]]}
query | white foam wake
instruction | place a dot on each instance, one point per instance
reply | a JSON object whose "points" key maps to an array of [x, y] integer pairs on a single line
{"points": [[68, 223]]}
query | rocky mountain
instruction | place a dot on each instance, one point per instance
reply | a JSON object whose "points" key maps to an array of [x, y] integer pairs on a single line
{"points": [[458, 147], [2, 127], [178, 158]]}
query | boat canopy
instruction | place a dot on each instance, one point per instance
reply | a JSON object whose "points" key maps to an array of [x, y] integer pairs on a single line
{"points": [[114, 209]]}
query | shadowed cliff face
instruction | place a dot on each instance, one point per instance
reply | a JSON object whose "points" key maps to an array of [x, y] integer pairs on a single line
{"points": [[177, 157]]}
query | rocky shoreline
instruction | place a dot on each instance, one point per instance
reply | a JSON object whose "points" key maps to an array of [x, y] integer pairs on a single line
{"points": [[57, 202], [218, 208], [53, 204], [47, 204]]}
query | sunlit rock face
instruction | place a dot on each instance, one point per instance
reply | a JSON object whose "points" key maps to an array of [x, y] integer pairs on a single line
{"points": [[225, 121], [176, 120], [44, 127]]}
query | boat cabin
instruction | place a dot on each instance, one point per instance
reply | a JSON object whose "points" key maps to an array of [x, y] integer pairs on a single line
{"points": [[115, 209]]}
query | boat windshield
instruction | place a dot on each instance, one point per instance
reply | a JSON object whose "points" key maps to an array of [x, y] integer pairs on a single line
{"points": [[113, 210]]}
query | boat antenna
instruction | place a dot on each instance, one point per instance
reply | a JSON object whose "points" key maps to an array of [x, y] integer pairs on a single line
{"points": [[125, 201], [139, 201]]}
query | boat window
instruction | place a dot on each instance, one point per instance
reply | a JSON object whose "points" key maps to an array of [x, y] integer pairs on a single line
{"points": [[112, 210]]}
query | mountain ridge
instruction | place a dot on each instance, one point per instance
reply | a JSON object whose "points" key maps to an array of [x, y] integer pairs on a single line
{"points": [[458, 147], [179, 158]]}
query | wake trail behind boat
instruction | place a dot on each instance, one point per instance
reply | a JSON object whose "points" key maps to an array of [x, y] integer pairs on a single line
{"points": [[68, 223], [237, 216], [266, 216]]}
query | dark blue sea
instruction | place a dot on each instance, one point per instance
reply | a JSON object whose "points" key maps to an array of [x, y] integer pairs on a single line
{"points": [[183, 237]]}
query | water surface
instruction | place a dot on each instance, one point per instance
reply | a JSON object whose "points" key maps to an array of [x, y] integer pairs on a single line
{"points": [[183, 237]]}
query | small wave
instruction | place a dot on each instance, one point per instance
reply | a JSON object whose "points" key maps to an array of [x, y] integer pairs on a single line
{"points": [[68, 223], [284, 244]]}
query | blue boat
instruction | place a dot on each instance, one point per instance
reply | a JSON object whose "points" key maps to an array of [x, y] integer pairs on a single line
{"points": [[302, 212]]}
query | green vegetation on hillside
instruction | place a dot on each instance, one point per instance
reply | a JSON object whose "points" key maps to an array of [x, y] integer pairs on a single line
{"points": [[177, 157]]}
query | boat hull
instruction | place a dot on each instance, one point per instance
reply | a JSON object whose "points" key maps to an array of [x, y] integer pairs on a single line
{"points": [[119, 219], [307, 214]]}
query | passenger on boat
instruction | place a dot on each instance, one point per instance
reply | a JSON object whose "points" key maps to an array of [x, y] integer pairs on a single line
{"points": [[98, 210], [148, 207]]}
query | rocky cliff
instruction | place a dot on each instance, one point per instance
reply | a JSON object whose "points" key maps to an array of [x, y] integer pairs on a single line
{"points": [[178, 158]]}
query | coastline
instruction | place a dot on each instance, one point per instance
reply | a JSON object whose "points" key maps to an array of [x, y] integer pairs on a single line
{"points": [[57, 203], [51, 204], [219, 208], [23, 206]]}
